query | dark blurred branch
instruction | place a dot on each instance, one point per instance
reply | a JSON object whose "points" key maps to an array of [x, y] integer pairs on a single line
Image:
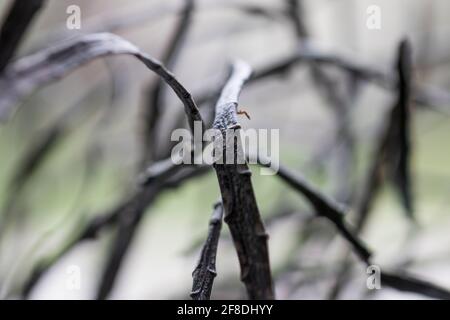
{"points": [[392, 154], [340, 102], [14, 27], [393, 146], [154, 102], [324, 206], [129, 219], [408, 283], [295, 12], [26, 168], [241, 210], [424, 95], [41, 145], [128, 211], [205, 271], [331, 211], [400, 144]]}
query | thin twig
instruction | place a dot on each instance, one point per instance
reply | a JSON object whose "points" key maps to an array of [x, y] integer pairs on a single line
{"points": [[29, 73], [205, 271]]}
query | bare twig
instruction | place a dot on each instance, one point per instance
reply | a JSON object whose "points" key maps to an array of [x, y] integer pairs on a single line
{"points": [[205, 271], [32, 72], [241, 211], [14, 27]]}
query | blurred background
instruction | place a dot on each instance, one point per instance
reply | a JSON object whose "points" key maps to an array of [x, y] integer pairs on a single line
{"points": [[93, 129]]}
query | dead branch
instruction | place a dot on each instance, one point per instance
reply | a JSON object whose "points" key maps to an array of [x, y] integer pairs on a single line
{"points": [[205, 271], [29, 73], [241, 211]]}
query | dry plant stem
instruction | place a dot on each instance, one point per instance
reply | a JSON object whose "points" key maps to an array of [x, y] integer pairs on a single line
{"points": [[241, 211], [14, 27], [205, 271], [27, 74], [154, 102]]}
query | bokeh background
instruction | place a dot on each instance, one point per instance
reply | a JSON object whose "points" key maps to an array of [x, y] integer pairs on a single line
{"points": [[95, 163]]}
